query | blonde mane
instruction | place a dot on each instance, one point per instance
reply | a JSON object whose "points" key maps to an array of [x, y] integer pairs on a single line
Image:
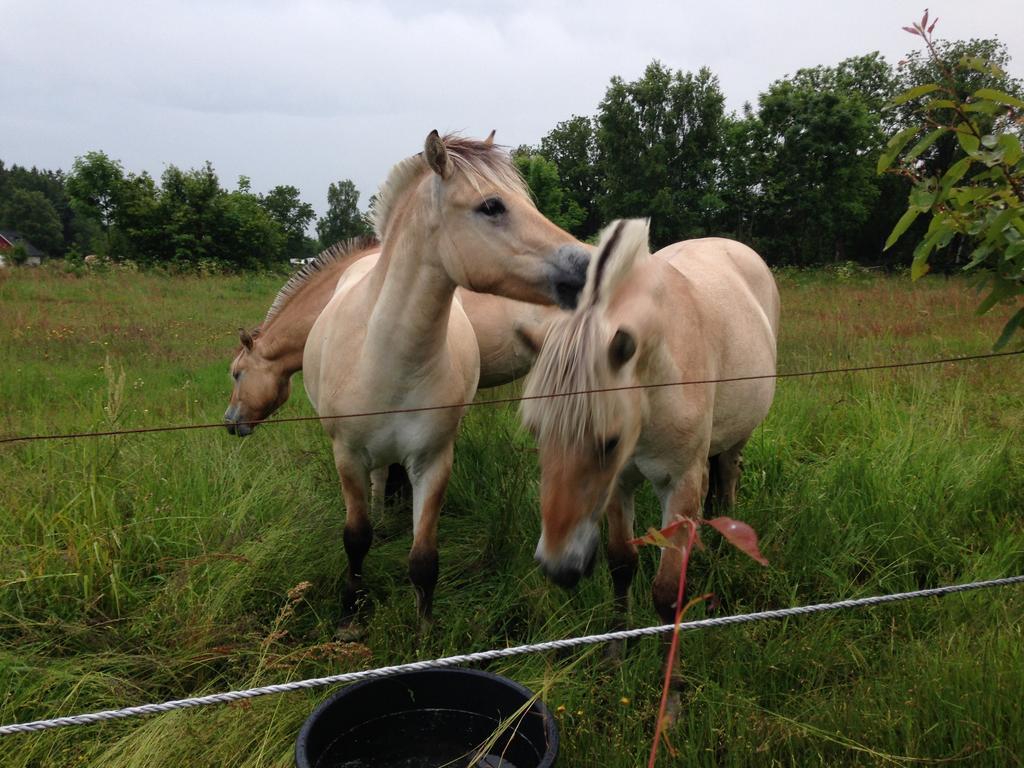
{"points": [[574, 356], [479, 161], [306, 274]]}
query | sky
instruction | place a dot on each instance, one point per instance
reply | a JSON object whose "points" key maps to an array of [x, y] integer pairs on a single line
{"points": [[307, 92]]}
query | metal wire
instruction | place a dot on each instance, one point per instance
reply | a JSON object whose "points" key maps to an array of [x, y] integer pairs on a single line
{"points": [[473, 658], [507, 400]]}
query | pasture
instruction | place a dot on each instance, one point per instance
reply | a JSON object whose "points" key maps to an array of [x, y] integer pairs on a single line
{"points": [[143, 568]]}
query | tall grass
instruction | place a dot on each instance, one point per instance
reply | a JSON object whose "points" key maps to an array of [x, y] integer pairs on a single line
{"points": [[140, 568]]}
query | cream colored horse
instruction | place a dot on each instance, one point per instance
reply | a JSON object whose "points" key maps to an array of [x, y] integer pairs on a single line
{"points": [[394, 337], [697, 310], [270, 355]]}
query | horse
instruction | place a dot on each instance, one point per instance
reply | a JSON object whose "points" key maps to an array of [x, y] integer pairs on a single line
{"points": [[394, 338], [268, 356], [697, 310]]}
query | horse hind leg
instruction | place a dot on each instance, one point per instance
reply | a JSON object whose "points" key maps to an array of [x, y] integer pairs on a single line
{"points": [[730, 468], [724, 471]]}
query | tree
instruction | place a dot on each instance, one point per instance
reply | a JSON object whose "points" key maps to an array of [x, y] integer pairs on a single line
{"points": [[659, 142], [202, 222], [572, 146], [293, 215], [94, 186], [342, 219], [979, 197], [546, 188], [818, 134], [29, 212]]}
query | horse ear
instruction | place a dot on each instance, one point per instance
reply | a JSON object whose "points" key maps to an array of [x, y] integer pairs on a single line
{"points": [[622, 348], [246, 338], [489, 141], [437, 155]]}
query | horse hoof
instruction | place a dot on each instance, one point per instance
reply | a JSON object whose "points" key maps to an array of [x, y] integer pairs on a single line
{"points": [[350, 632], [672, 709], [614, 650]]}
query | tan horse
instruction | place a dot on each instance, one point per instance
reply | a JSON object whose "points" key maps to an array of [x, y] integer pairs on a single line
{"points": [[394, 337], [271, 354], [695, 311]]}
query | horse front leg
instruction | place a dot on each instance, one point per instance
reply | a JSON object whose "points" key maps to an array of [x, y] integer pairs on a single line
{"points": [[622, 558], [358, 533], [683, 500], [429, 482]]}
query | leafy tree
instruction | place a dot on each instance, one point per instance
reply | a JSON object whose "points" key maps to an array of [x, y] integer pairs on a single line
{"points": [[51, 184], [572, 146], [202, 222], [546, 188], [343, 219], [29, 212], [819, 133], [94, 186], [293, 215], [979, 196], [744, 166], [659, 142]]}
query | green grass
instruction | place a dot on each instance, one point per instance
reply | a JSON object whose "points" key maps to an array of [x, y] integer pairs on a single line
{"points": [[150, 567]]}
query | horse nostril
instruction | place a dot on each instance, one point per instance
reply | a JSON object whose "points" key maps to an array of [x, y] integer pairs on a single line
{"points": [[230, 426], [568, 293]]}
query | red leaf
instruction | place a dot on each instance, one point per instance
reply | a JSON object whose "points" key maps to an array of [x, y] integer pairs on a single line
{"points": [[924, 19], [911, 30], [740, 535], [933, 25], [659, 537]]}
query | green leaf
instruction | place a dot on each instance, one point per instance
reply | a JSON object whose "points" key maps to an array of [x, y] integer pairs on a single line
{"points": [[922, 194], [919, 266], [980, 65], [1000, 97], [914, 93], [1001, 290], [985, 107], [967, 139], [893, 147], [1010, 144], [956, 172], [978, 256], [901, 226], [1009, 329], [924, 143], [940, 104]]}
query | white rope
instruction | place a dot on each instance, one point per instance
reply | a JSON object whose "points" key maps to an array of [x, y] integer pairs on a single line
{"points": [[471, 658]]}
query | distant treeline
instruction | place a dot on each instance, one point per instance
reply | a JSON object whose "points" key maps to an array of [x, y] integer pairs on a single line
{"points": [[186, 220], [794, 176]]}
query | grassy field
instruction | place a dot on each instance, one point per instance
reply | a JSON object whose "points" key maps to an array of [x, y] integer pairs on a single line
{"points": [[151, 567]]}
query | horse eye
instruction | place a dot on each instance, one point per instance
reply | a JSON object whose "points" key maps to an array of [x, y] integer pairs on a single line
{"points": [[609, 446], [492, 206], [236, 375]]}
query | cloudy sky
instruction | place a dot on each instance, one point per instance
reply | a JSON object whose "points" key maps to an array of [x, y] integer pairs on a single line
{"points": [[309, 91]]}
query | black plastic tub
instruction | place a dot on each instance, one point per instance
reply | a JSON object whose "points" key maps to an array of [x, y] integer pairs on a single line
{"points": [[429, 719]]}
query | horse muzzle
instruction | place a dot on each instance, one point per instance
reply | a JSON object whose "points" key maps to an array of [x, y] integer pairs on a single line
{"points": [[576, 560], [234, 423], [569, 274]]}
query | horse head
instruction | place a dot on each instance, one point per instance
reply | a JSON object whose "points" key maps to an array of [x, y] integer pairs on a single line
{"points": [[260, 386], [476, 213], [583, 406]]}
